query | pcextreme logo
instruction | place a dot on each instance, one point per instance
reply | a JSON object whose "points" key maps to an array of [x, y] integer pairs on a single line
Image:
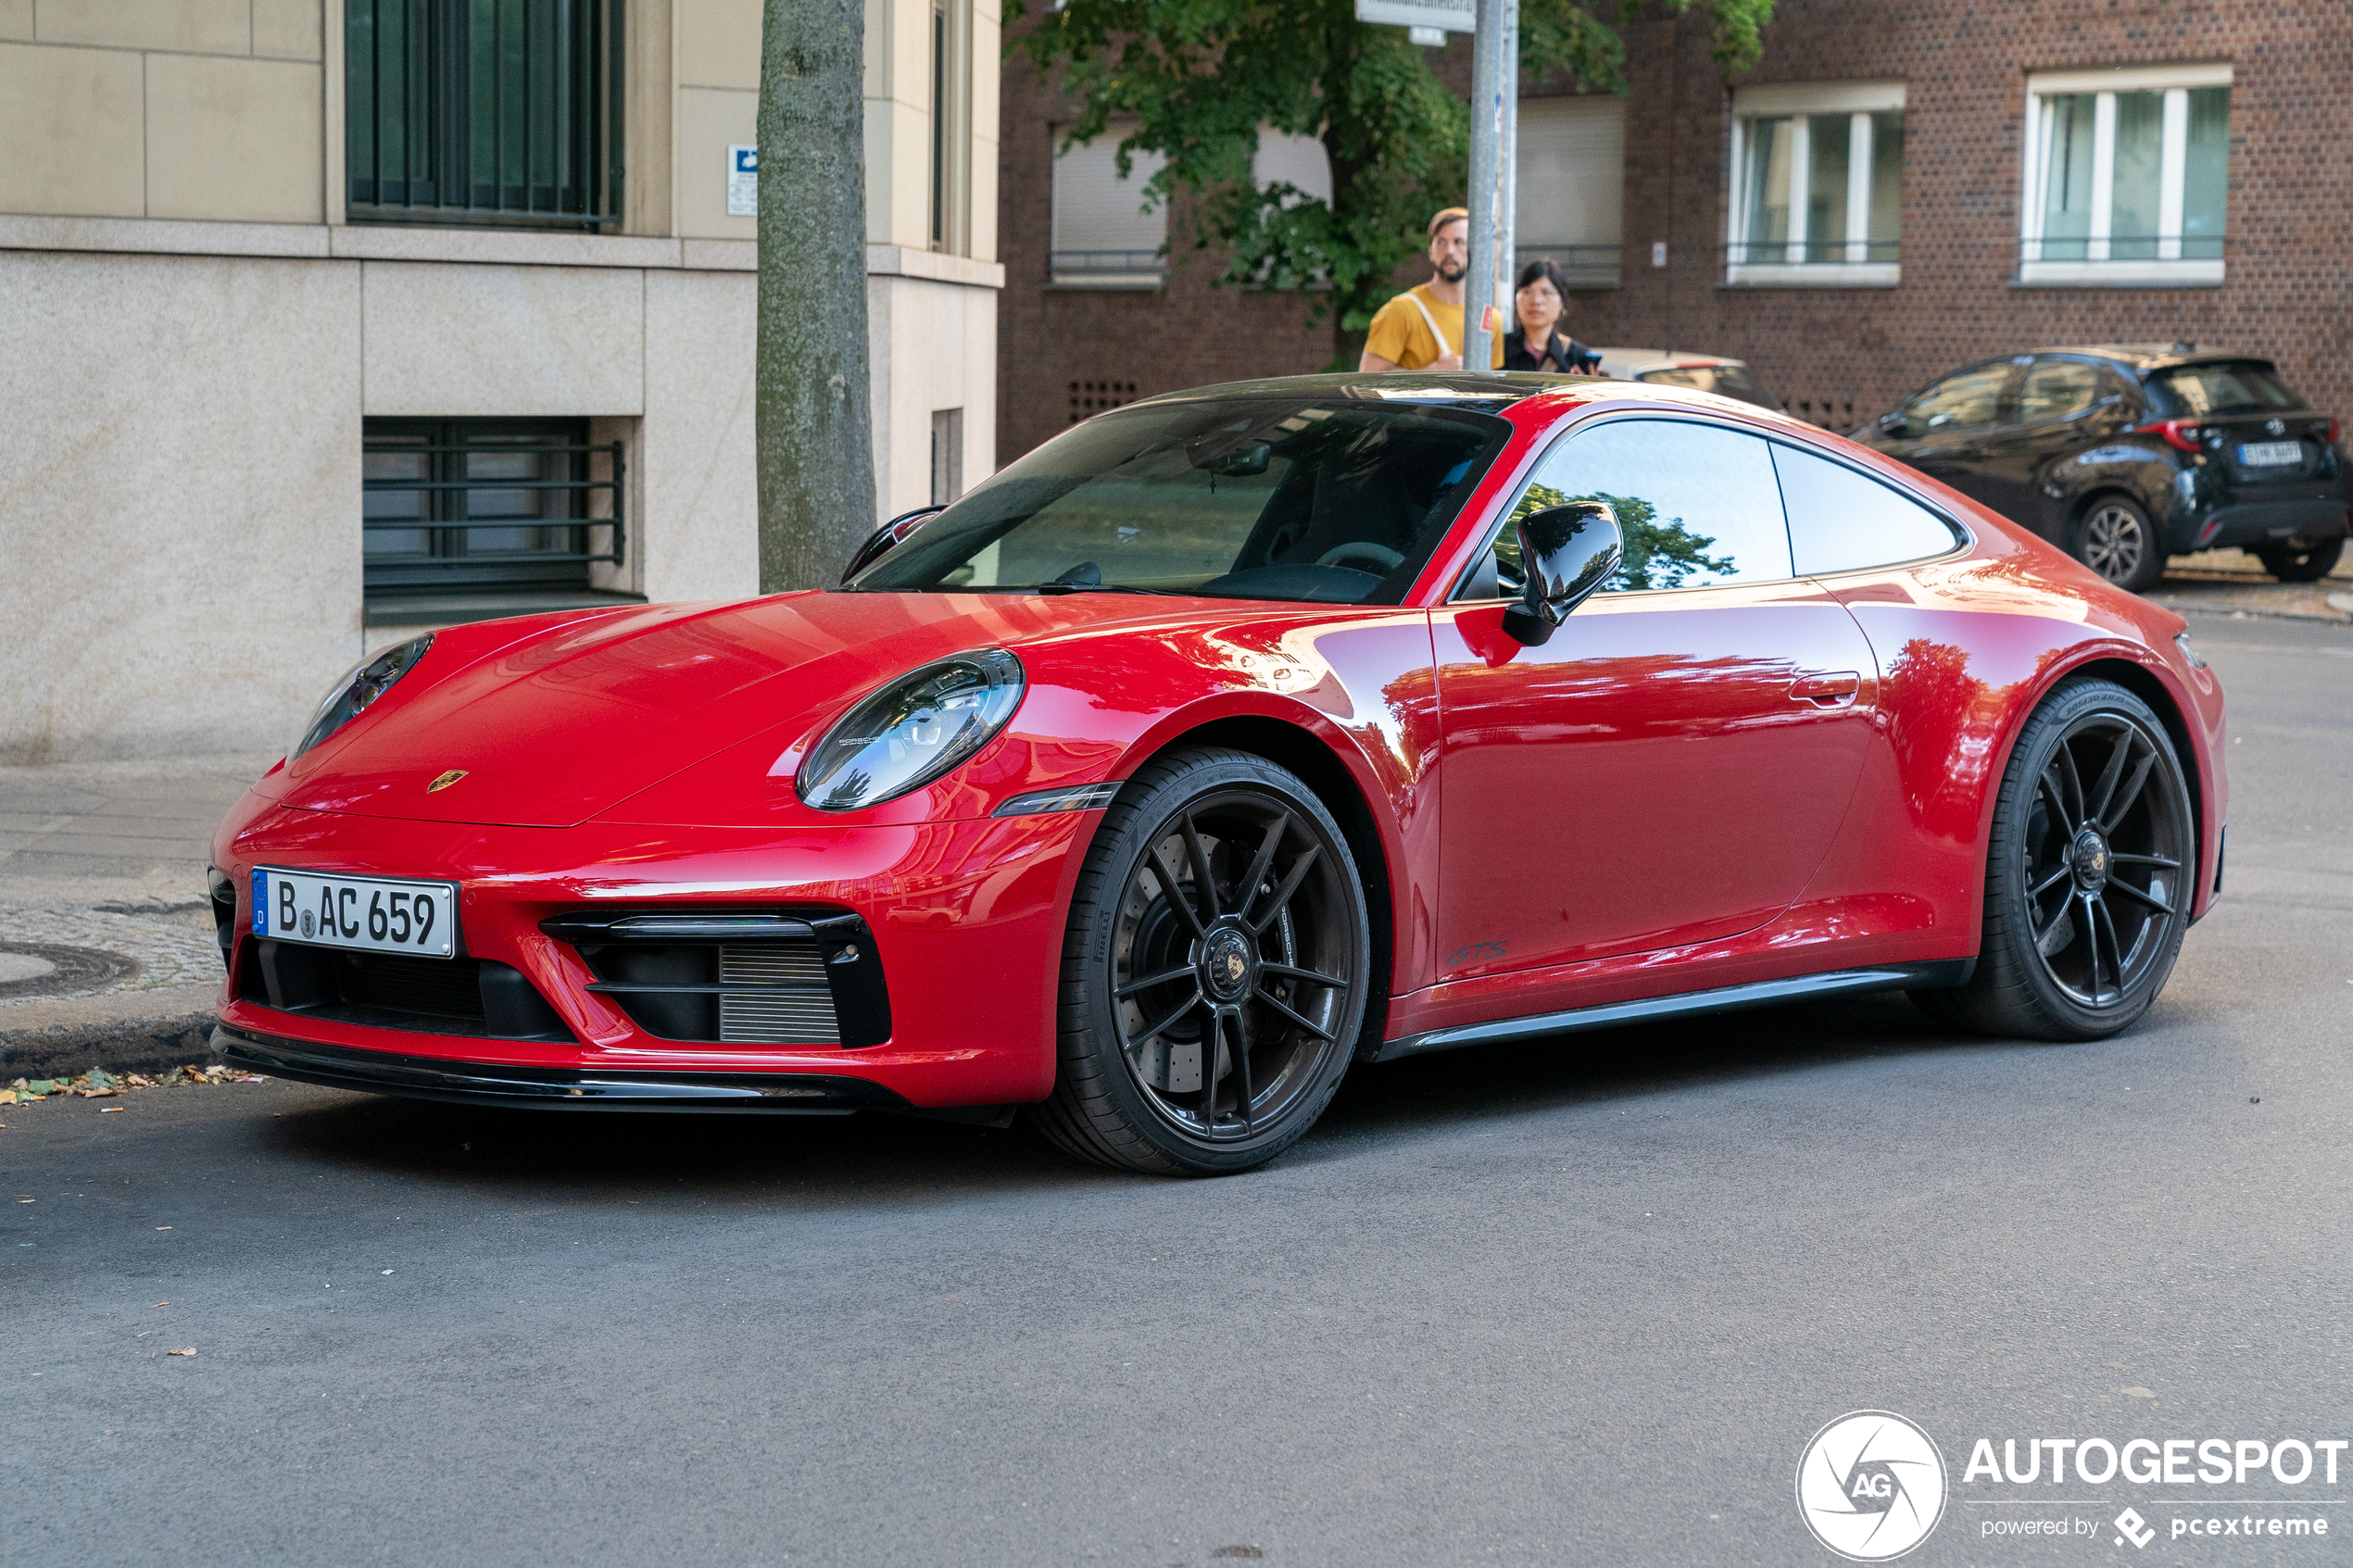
{"points": [[1871, 1485]]}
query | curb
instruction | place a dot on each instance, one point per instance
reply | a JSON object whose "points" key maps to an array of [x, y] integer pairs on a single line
{"points": [[150, 1045]]}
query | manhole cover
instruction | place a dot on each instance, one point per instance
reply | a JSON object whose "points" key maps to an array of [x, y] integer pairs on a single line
{"points": [[42, 969]]}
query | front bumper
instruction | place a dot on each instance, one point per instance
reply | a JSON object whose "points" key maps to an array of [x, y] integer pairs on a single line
{"points": [[967, 917]]}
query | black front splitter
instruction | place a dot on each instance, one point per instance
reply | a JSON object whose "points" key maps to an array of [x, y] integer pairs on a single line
{"points": [[472, 1083]]}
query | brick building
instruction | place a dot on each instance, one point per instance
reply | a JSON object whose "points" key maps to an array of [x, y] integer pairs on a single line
{"points": [[1896, 188]]}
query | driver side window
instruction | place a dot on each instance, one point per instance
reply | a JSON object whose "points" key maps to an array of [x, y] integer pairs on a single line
{"points": [[1697, 504], [1964, 399]]}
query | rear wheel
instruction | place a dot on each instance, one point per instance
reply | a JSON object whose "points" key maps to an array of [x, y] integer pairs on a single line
{"points": [[2300, 563], [2088, 882], [2114, 538], [1214, 973]]}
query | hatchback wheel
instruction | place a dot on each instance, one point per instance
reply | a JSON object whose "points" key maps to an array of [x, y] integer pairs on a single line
{"points": [[1213, 974], [2113, 537], [2089, 881], [2300, 563]]}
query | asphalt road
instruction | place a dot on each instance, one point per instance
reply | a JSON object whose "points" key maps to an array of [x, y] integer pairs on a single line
{"points": [[1582, 1303]]}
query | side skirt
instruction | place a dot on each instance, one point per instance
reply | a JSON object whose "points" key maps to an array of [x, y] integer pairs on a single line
{"points": [[1728, 998]]}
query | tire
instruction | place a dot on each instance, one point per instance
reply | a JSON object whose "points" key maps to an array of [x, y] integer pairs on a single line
{"points": [[2080, 933], [1149, 1077], [2115, 538], [2300, 563]]}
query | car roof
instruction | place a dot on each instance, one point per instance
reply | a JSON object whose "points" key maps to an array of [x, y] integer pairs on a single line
{"points": [[2147, 357], [1459, 389], [1660, 358]]}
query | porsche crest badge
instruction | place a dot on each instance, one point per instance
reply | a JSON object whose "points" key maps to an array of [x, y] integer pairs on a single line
{"points": [[452, 776]]}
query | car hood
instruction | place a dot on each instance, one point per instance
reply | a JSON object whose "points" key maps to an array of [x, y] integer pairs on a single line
{"points": [[555, 727]]}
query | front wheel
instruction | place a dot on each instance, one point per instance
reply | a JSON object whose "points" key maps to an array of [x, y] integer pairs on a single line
{"points": [[2300, 563], [2089, 880], [1214, 973], [2114, 538]]}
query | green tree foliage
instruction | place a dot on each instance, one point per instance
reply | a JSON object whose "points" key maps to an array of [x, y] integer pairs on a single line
{"points": [[1200, 80], [1658, 555]]}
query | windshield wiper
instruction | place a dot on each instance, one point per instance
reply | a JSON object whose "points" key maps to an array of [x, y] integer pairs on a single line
{"points": [[1059, 588]]}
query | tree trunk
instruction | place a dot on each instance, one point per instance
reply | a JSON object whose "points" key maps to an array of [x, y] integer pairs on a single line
{"points": [[814, 425]]}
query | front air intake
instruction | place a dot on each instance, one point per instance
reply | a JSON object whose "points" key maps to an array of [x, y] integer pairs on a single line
{"points": [[737, 977]]}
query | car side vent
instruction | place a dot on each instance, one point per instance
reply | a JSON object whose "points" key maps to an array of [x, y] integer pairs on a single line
{"points": [[737, 977]]}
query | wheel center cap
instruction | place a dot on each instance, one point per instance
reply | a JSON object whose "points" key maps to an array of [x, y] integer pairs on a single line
{"points": [[1226, 963], [2089, 857]]}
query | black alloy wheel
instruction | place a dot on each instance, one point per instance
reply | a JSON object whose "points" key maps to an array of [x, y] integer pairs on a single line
{"points": [[2114, 538], [2090, 878], [1214, 975], [2300, 563]]}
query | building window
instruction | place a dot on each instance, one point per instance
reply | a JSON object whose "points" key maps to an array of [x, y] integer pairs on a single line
{"points": [[497, 112], [1571, 185], [462, 519], [950, 139], [1103, 237], [946, 454], [2127, 176], [1818, 172]]}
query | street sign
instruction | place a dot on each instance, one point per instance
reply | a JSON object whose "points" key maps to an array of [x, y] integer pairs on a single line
{"points": [[743, 182], [1453, 16]]}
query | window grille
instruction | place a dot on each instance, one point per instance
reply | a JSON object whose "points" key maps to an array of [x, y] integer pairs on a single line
{"points": [[498, 112], [454, 508], [1089, 398]]}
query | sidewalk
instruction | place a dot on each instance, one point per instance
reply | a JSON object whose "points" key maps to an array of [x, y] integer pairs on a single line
{"points": [[107, 951], [2232, 582]]}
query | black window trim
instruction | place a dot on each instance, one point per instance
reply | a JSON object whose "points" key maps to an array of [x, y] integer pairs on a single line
{"points": [[1488, 535]]}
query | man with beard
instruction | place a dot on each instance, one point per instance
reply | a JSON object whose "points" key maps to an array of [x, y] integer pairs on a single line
{"points": [[1422, 329]]}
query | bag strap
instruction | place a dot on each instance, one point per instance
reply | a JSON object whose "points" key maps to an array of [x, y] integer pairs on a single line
{"points": [[1443, 346]]}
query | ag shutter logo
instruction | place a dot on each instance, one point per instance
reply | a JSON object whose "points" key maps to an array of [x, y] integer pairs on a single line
{"points": [[1871, 1485]]}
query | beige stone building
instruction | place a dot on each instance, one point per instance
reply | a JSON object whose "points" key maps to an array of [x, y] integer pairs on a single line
{"points": [[325, 321]]}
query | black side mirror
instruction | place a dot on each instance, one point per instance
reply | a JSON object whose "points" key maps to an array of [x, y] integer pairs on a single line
{"points": [[1894, 423], [1565, 552], [887, 538]]}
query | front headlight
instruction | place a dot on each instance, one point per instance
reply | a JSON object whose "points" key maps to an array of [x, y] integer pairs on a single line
{"points": [[912, 731], [358, 690]]}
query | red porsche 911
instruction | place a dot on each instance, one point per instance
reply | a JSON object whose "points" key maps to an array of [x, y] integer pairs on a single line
{"points": [[1230, 738]]}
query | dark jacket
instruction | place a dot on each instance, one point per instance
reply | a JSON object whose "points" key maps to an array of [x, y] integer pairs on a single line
{"points": [[1568, 353]]}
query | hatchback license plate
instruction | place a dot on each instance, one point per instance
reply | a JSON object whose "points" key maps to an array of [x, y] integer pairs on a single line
{"points": [[2270, 454], [373, 914]]}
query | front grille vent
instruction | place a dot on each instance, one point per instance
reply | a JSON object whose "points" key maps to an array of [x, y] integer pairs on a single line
{"points": [[458, 996], [737, 978], [775, 995]]}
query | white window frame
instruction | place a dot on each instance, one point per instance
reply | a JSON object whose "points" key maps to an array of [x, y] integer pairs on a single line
{"points": [[1858, 101], [2168, 268]]}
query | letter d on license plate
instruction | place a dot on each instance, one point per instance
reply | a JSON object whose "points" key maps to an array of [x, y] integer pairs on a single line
{"points": [[371, 914]]}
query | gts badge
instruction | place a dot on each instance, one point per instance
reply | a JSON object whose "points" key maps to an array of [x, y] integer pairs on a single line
{"points": [[452, 776], [1475, 952]]}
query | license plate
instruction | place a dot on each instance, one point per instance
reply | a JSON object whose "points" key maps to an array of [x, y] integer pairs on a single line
{"points": [[2270, 454], [373, 914]]}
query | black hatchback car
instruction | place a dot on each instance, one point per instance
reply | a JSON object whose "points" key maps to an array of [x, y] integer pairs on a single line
{"points": [[2126, 454]]}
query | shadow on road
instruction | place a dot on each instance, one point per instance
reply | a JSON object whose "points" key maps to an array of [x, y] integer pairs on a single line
{"points": [[883, 1160]]}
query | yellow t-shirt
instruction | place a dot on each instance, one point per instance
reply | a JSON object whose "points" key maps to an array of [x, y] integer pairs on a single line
{"points": [[1400, 333]]}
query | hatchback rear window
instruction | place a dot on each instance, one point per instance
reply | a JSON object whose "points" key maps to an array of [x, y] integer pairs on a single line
{"points": [[2247, 386], [1725, 381]]}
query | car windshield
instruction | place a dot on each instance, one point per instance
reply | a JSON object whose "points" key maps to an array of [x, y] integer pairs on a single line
{"points": [[1725, 381], [2243, 387], [1322, 499]]}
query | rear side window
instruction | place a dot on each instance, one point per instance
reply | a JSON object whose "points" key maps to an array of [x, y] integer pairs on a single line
{"points": [[2248, 386], [2056, 388], [1696, 503], [1841, 521]]}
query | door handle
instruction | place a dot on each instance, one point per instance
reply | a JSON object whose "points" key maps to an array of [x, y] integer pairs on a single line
{"points": [[1836, 689]]}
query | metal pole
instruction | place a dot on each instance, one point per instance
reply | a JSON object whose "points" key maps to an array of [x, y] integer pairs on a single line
{"points": [[1507, 184], [1488, 89]]}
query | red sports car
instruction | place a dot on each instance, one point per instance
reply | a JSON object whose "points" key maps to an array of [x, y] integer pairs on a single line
{"points": [[1228, 739]]}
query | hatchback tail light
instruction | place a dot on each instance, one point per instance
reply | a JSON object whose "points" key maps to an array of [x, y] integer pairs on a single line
{"points": [[2182, 433]]}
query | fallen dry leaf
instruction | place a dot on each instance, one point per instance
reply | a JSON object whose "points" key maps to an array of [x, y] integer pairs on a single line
{"points": [[189, 1352]]}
